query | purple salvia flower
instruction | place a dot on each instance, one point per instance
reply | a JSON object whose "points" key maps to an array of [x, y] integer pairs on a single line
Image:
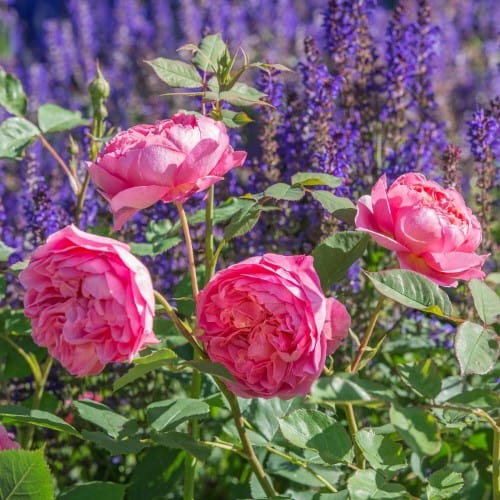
{"points": [[482, 133]]}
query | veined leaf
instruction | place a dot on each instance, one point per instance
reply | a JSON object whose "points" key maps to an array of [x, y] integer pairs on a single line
{"points": [[316, 179], [210, 50], [176, 73], [15, 134], [12, 96], [487, 302], [53, 118]]}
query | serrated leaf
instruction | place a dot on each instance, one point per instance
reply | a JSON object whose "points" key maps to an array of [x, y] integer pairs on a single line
{"points": [[424, 378], [476, 348], [176, 73], [334, 256], [182, 441], [12, 96], [168, 414], [24, 475], [340, 207], [240, 94], [210, 50], [476, 398], [412, 290], [22, 415], [282, 191], [316, 179], [94, 490], [15, 134], [102, 416], [53, 118], [114, 446], [371, 485], [443, 484], [417, 428], [143, 366], [486, 301], [382, 452]]}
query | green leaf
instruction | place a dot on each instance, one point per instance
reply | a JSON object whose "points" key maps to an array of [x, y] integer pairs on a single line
{"points": [[102, 416], [476, 348], [417, 428], [340, 207], [412, 290], [24, 475], [15, 134], [444, 483], [240, 94], [282, 191], [314, 430], [94, 490], [348, 388], [233, 119], [168, 414], [12, 96], [182, 441], [487, 302], [53, 118], [176, 73], [114, 446], [211, 49], [22, 415], [476, 398], [210, 368], [423, 378], [371, 485], [5, 252], [316, 179], [144, 365], [243, 221], [334, 256], [382, 452]]}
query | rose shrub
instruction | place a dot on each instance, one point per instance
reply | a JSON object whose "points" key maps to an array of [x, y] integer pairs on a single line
{"points": [[430, 228], [268, 322], [6, 441], [167, 161], [90, 301]]}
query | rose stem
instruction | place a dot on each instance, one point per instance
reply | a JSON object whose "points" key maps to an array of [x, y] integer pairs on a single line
{"points": [[190, 464], [349, 409]]}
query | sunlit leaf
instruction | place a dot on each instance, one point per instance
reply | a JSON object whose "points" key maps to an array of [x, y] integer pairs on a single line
{"points": [[53, 118], [15, 134], [487, 302], [12, 96], [176, 73]]}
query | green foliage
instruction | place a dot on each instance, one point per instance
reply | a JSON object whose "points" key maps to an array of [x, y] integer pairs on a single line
{"points": [[24, 475], [412, 290], [102, 416], [316, 179], [15, 134], [418, 429], [443, 484], [167, 415], [369, 484], [53, 118], [423, 378], [282, 191], [12, 96], [211, 50], [182, 441], [93, 491], [487, 302], [176, 73], [341, 208], [476, 348], [5, 252], [334, 256]]}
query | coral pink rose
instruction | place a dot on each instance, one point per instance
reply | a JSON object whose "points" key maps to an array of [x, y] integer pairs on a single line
{"points": [[90, 300], [268, 322], [6, 440], [167, 161], [430, 228]]}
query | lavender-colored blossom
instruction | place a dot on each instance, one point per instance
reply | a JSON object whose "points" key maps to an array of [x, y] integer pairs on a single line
{"points": [[483, 132]]}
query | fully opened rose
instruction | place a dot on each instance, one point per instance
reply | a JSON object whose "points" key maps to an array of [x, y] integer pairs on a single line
{"points": [[168, 161], [268, 322], [90, 301], [430, 228]]}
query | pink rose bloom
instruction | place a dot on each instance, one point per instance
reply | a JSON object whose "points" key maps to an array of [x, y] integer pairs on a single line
{"points": [[6, 440], [168, 161], [268, 322], [90, 300], [430, 228]]}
